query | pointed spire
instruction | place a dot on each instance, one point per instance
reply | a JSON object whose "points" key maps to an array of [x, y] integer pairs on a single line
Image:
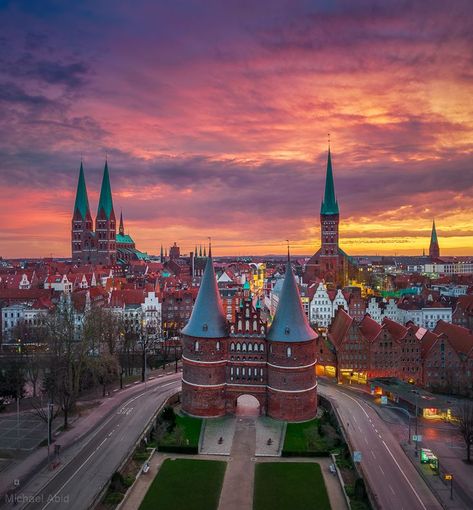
{"points": [[121, 229], [205, 251], [433, 237], [82, 201], [195, 252], [200, 251], [162, 254], [329, 204], [105, 201], [290, 322], [207, 318], [210, 247]]}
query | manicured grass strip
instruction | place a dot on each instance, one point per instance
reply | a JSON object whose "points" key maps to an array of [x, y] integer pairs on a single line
{"points": [[304, 436], [191, 427], [289, 486], [186, 484]]}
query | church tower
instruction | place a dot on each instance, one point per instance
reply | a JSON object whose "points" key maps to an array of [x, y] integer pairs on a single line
{"points": [[204, 351], [329, 221], [82, 236], [330, 262], [292, 385], [434, 248], [105, 224]]}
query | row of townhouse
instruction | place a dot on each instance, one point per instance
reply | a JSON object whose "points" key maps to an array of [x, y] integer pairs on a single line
{"points": [[438, 359]]}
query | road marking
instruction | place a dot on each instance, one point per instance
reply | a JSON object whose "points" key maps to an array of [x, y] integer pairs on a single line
{"points": [[392, 490], [372, 453], [405, 477], [392, 456], [381, 469], [354, 419], [366, 440], [163, 385], [74, 474]]}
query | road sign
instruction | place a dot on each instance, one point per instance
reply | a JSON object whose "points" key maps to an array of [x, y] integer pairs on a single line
{"points": [[356, 456], [417, 438], [384, 400]]}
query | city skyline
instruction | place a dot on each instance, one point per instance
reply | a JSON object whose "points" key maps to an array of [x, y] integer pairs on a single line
{"points": [[219, 127]]}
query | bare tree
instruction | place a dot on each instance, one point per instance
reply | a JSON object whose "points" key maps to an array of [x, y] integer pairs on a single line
{"points": [[465, 418]]}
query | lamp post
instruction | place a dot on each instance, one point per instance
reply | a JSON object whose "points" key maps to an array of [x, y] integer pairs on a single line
{"points": [[50, 412], [416, 393]]}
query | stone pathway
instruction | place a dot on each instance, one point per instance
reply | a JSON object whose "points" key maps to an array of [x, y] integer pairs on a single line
{"points": [[213, 430], [267, 428], [237, 490]]}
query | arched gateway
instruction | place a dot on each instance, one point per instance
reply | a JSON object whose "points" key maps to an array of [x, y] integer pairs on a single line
{"points": [[275, 366]]}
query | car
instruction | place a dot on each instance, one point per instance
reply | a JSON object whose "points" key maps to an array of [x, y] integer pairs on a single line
{"points": [[332, 469]]}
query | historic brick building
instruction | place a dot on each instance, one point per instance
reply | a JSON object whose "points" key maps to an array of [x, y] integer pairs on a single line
{"points": [[330, 262], [104, 245], [221, 362]]}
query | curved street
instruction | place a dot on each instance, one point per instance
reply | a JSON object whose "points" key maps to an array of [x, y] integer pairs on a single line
{"points": [[97, 457], [390, 474]]}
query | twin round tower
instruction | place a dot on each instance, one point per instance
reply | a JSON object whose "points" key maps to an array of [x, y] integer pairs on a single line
{"points": [[223, 362]]}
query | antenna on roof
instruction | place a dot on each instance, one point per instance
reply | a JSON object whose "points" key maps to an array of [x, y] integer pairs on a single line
{"points": [[210, 247], [328, 140]]}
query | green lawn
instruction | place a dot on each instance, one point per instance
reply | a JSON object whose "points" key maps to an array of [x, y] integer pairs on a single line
{"points": [[186, 433], [186, 484], [302, 437], [289, 486], [191, 427]]}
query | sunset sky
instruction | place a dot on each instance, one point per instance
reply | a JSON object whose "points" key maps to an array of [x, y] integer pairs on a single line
{"points": [[214, 116]]}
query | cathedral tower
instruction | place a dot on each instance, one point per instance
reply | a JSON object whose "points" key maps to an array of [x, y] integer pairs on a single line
{"points": [[105, 224], [82, 236]]}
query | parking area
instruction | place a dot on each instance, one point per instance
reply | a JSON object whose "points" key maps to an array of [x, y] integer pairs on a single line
{"points": [[30, 432]]}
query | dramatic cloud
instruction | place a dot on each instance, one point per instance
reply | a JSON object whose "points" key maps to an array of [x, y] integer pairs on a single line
{"points": [[214, 118]]}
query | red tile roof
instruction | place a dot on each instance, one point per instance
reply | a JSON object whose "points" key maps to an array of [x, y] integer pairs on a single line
{"points": [[369, 328]]}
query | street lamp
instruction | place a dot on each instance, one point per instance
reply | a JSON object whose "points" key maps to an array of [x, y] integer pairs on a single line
{"points": [[50, 417], [416, 393]]}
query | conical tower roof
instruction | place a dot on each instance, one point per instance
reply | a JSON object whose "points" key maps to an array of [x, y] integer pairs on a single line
{"points": [[82, 201], [290, 322], [329, 204], [207, 319], [105, 201]]}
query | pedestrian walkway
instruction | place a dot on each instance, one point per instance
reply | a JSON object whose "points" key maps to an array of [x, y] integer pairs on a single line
{"points": [[237, 490], [269, 437], [217, 436], [450, 500], [21, 470]]}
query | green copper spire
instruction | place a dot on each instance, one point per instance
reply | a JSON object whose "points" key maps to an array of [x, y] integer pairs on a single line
{"points": [[82, 201], [433, 237], [105, 201], [329, 204]]}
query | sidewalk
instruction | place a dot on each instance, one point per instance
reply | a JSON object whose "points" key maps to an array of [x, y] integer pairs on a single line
{"points": [[437, 485], [25, 468]]}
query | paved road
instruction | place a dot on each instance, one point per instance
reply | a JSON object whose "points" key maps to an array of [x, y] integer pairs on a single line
{"points": [[394, 480], [78, 483]]}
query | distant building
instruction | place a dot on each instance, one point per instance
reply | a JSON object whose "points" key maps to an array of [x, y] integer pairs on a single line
{"points": [[102, 245]]}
